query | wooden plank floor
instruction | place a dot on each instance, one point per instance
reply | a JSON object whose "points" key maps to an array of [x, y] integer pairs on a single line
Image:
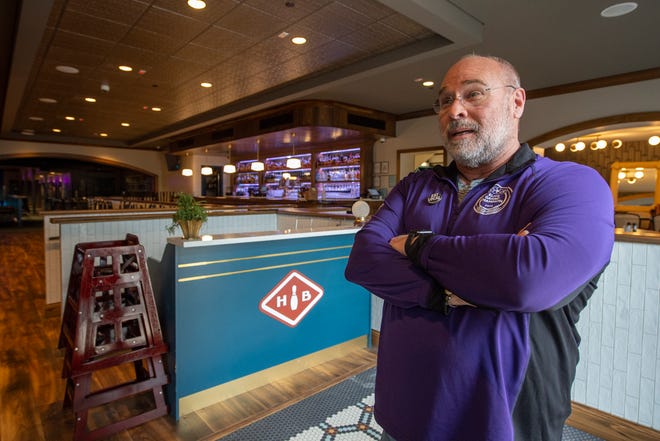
{"points": [[31, 388]]}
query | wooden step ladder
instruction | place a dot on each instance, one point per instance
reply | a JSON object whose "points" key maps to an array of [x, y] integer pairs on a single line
{"points": [[110, 319]]}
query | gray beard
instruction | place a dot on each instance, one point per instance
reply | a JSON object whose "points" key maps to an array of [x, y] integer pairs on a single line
{"points": [[473, 154], [484, 148]]}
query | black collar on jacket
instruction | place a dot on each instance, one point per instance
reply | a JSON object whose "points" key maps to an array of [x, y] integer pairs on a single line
{"points": [[521, 159]]}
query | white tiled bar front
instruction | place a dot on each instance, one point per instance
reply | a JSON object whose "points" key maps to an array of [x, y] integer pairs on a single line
{"points": [[62, 232], [619, 368]]}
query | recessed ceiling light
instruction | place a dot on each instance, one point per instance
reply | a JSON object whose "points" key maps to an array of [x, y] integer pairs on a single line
{"points": [[48, 100], [618, 9], [36, 118], [428, 83], [125, 68], [283, 34], [197, 4], [70, 118], [89, 99], [103, 134], [125, 124], [156, 109], [206, 84], [57, 130], [298, 40], [28, 132], [67, 69]]}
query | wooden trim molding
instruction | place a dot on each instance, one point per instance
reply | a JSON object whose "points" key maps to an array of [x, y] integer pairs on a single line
{"points": [[595, 83]]}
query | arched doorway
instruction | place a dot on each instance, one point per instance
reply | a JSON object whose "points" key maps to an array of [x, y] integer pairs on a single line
{"points": [[61, 183]]}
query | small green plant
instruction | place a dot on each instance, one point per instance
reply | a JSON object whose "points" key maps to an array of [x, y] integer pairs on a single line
{"points": [[187, 209]]}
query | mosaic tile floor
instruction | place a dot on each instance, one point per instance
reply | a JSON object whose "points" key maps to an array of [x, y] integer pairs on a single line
{"points": [[343, 412]]}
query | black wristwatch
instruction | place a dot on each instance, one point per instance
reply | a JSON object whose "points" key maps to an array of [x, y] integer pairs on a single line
{"points": [[414, 243]]}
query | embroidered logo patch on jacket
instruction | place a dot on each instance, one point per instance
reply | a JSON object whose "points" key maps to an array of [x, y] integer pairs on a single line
{"points": [[494, 201]]}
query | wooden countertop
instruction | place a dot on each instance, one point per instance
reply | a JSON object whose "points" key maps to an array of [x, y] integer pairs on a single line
{"points": [[639, 236]]}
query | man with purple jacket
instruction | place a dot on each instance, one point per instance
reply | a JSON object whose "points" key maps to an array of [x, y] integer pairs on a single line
{"points": [[484, 267]]}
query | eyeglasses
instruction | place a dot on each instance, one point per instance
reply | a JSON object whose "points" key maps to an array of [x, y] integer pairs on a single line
{"points": [[472, 96]]}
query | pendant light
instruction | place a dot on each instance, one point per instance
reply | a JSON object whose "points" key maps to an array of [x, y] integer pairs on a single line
{"points": [[293, 162], [207, 171], [257, 165], [187, 170], [229, 167]]}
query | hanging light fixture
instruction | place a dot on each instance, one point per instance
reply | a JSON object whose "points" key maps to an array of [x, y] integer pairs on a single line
{"points": [[257, 165], [187, 171], [229, 167], [293, 162], [206, 170]]}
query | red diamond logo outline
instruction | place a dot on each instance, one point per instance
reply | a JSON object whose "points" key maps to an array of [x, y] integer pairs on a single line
{"points": [[283, 302]]}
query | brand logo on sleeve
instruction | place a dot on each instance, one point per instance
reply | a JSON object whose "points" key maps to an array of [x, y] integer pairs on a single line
{"points": [[494, 201]]}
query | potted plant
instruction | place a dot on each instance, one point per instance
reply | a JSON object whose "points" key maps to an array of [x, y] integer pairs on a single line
{"points": [[189, 216]]}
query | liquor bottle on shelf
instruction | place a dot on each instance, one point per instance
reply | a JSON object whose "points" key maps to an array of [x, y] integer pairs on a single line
{"points": [[337, 174]]}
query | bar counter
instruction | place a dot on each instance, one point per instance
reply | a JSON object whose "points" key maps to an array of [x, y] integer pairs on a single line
{"points": [[236, 309]]}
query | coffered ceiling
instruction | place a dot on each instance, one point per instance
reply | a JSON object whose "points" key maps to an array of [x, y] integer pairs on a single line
{"points": [[369, 53]]}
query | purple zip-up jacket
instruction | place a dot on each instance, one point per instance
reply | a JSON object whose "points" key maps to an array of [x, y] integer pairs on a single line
{"points": [[502, 370]]}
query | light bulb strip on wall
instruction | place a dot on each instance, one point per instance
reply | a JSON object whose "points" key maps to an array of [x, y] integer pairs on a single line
{"points": [[599, 144]]}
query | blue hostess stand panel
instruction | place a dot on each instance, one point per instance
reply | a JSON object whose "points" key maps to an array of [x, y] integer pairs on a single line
{"points": [[214, 320]]}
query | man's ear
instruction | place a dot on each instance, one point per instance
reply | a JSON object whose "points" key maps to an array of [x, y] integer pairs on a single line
{"points": [[519, 98]]}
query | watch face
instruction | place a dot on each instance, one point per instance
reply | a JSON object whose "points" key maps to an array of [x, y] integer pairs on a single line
{"points": [[360, 209]]}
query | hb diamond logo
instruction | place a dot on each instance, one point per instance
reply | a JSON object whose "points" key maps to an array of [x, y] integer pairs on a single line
{"points": [[291, 299]]}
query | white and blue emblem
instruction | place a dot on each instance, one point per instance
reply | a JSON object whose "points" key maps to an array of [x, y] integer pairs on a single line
{"points": [[494, 201], [434, 198]]}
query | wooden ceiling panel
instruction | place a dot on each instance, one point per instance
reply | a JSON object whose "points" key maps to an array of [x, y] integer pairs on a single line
{"points": [[82, 43], [92, 26], [151, 41], [164, 22], [335, 20], [135, 57], [406, 26], [252, 22], [377, 38], [118, 11], [60, 55], [214, 10], [373, 10], [226, 42], [288, 15], [198, 54]]}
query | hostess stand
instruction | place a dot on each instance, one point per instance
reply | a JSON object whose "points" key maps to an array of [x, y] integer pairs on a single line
{"points": [[240, 310]]}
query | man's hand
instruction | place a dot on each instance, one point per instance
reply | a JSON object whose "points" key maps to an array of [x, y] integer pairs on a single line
{"points": [[399, 243]]}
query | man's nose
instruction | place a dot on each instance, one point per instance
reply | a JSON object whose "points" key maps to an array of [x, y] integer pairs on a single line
{"points": [[456, 109]]}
